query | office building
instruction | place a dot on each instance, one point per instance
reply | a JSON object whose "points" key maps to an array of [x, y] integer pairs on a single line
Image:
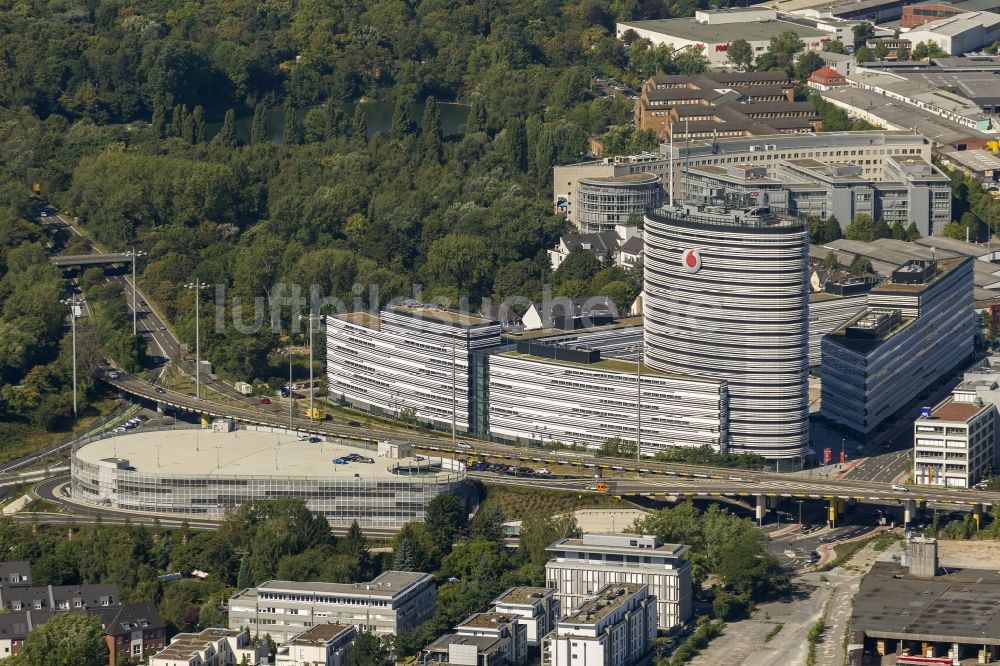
{"points": [[615, 628], [955, 443], [393, 602], [897, 159], [580, 568], [918, 328], [601, 203], [908, 189], [212, 647], [553, 391], [322, 645], [535, 607], [722, 104], [828, 311], [405, 360], [712, 31], [727, 299]]}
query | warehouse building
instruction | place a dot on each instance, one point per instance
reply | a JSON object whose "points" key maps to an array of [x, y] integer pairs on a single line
{"points": [[917, 328], [727, 299], [962, 33]]}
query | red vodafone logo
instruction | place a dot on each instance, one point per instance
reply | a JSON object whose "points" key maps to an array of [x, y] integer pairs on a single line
{"points": [[691, 261]]}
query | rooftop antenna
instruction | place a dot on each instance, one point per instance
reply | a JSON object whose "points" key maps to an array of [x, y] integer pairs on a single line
{"points": [[687, 155], [671, 202]]}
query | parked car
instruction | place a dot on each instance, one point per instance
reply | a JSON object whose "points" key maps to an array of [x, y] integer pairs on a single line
{"points": [[315, 440], [265, 401], [339, 461]]}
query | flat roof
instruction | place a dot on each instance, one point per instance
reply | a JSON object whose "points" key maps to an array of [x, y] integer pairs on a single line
{"points": [[944, 267], [488, 620], [579, 545], [388, 584], [610, 364], [523, 595], [320, 634], [689, 29], [626, 179], [950, 410], [361, 318], [611, 597], [958, 606], [182, 646], [440, 314], [243, 453]]}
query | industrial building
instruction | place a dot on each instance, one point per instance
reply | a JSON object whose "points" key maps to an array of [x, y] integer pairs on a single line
{"points": [[617, 627], [393, 602], [580, 568], [713, 31], [405, 360], [206, 473], [917, 328], [962, 33], [727, 299]]}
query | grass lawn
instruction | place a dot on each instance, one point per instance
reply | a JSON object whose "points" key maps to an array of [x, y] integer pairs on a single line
{"points": [[519, 503]]}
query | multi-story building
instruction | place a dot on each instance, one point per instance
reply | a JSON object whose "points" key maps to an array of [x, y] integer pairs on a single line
{"points": [[602, 203], [962, 33], [132, 631], [726, 298], [15, 574], [579, 568], [621, 245], [406, 361], [322, 645], [917, 328], [393, 602], [955, 443], [713, 31], [59, 597], [837, 301], [535, 607], [723, 104], [482, 639], [557, 392], [615, 628], [212, 647], [898, 159], [909, 190]]}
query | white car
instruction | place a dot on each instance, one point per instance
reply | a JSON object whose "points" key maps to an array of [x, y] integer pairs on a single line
{"points": [[900, 488], [463, 445]]}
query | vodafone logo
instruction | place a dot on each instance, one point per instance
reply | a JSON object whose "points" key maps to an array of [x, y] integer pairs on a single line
{"points": [[691, 261]]}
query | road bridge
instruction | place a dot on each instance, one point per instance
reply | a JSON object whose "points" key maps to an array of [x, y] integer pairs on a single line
{"points": [[651, 478], [81, 260]]}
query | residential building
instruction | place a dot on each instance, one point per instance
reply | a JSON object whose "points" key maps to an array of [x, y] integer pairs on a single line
{"points": [[535, 607], [395, 601], [615, 628], [727, 299], [917, 328], [568, 314], [712, 31], [825, 78], [552, 391], [132, 631], [504, 627], [405, 360], [59, 597], [622, 245], [955, 443], [722, 104], [15, 573], [212, 647], [603, 203], [909, 189], [961, 33], [871, 151], [581, 568], [322, 645], [841, 62], [15, 627]]}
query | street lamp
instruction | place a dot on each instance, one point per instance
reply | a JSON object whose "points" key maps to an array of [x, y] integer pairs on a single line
{"points": [[312, 389], [135, 302], [71, 302], [800, 514], [197, 286]]}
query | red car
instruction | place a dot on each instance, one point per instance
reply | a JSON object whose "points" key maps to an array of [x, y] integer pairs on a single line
{"points": [[265, 401]]}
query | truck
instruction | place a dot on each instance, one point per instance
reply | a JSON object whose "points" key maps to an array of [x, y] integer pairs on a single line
{"points": [[243, 388], [316, 414], [600, 487]]}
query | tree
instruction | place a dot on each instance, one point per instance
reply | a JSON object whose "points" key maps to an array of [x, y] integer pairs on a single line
{"points": [[953, 230], [579, 264], [359, 125], [355, 546], [859, 266], [783, 47], [158, 123], [227, 133], [516, 144], [989, 327], [912, 233], [430, 129], [862, 228], [881, 51], [691, 61], [446, 519], [292, 135], [835, 46], [864, 54], [898, 231], [199, 129], [402, 119], [489, 524], [68, 638], [882, 229], [258, 127], [831, 229], [477, 119], [830, 261], [807, 63], [862, 33], [462, 262], [370, 650], [243, 580], [740, 53]]}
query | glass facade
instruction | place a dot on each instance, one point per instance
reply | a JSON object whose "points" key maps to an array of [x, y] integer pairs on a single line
{"points": [[604, 202]]}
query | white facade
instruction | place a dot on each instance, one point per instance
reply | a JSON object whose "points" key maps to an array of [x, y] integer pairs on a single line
{"points": [[959, 34], [615, 628], [321, 645], [955, 444], [212, 647], [393, 602], [727, 299], [581, 567], [870, 374], [532, 398], [408, 360], [535, 607]]}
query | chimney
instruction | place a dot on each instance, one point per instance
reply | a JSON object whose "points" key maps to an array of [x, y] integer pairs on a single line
{"points": [[923, 557]]}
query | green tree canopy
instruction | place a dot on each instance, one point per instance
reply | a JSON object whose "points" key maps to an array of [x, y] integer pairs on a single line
{"points": [[68, 638]]}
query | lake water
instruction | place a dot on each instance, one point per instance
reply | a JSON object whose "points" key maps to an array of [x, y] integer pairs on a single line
{"points": [[453, 116]]}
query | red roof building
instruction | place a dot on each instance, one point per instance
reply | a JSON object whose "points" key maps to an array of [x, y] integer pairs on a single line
{"points": [[825, 78]]}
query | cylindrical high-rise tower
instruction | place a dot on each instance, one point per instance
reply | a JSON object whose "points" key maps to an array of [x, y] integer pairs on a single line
{"points": [[726, 297]]}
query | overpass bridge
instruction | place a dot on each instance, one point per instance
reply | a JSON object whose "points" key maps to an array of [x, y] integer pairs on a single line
{"points": [[83, 260], [647, 478]]}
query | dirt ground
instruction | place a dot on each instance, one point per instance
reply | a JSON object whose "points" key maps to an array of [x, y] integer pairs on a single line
{"points": [[971, 554]]}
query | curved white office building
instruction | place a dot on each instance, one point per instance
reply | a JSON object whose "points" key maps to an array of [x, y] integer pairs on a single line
{"points": [[727, 299]]}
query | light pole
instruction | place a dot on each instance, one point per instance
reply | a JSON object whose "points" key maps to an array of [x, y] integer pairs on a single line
{"points": [[197, 286], [312, 390], [290, 399], [800, 514], [71, 301], [135, 301]]}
